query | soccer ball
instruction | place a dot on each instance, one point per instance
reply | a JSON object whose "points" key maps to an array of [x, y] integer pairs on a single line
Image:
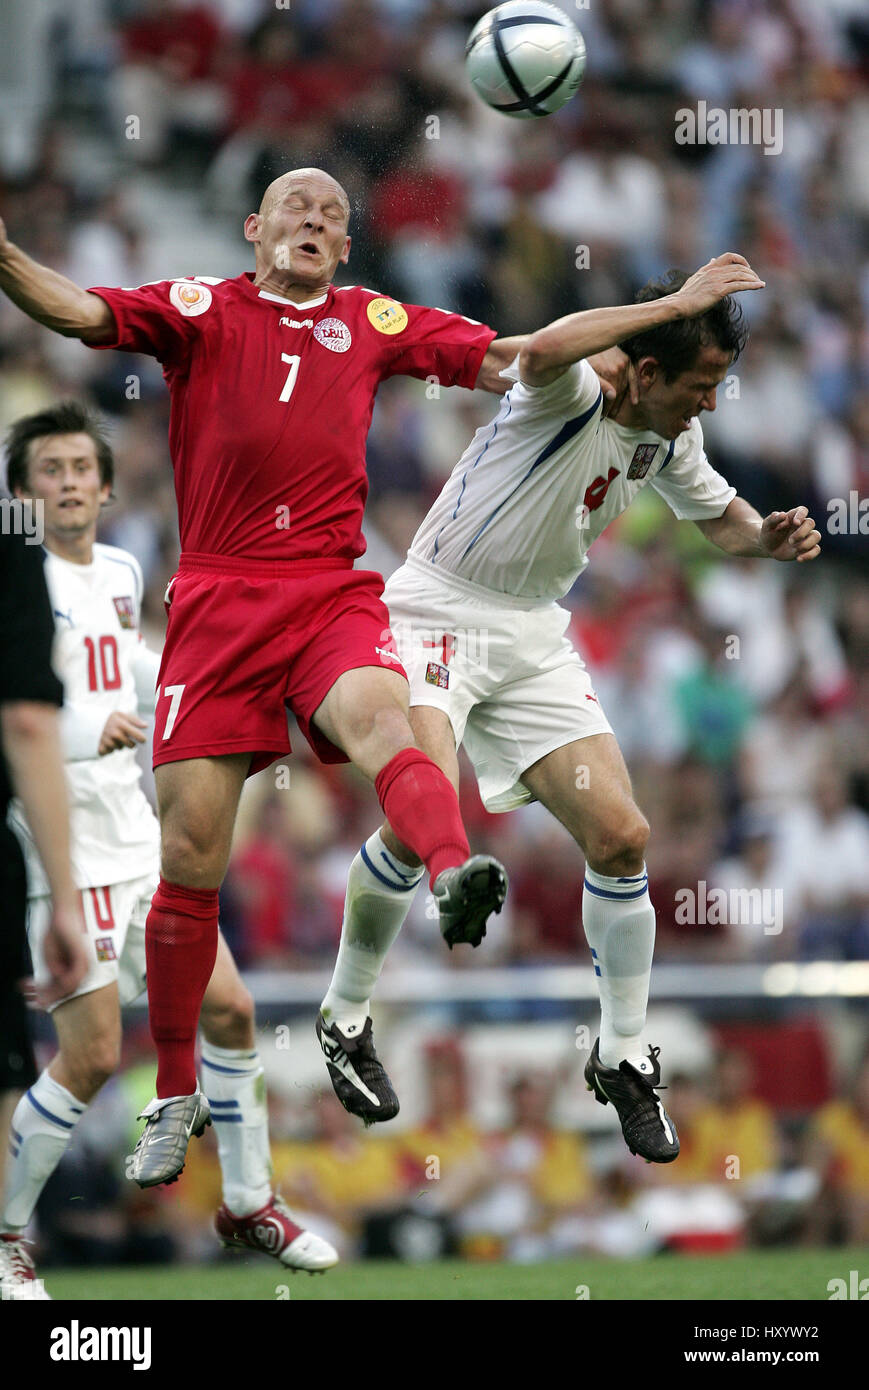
{"points": [[525, 58]]}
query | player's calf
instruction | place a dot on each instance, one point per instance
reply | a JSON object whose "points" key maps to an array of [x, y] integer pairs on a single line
{"points": [[227, 1017]]}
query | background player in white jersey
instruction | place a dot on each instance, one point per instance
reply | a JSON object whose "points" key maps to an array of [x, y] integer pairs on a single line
{"points": [[61, 457], [480, 632]]}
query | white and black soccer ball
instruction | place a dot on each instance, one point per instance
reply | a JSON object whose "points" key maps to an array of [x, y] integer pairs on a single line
{"points": [[526, 58]]}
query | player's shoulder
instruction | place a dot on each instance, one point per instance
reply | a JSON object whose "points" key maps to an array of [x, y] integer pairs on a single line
{"points": [[118, 564], [688, 446], [578, 386], [191, 296], [361, 292]]}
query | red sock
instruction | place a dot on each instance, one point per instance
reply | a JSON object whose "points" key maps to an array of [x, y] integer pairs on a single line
{"points": [[421, 806], [180, 949]]}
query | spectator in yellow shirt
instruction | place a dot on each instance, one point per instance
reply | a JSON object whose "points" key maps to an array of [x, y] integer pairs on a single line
{"points": [[839, 1150], [736, 1136]]}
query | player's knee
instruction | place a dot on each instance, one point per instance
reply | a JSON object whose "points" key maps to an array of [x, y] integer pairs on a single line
{"points": [[189, 858], [386, 727], [620, 846], [228, 1020]]}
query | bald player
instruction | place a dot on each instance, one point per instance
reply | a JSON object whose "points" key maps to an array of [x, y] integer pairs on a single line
{"points": [[272, 377]]}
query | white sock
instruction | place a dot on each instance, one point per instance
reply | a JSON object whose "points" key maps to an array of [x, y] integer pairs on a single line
{"points": [[619, 923], [41, 1129], [234, 1082], [380, 890]]}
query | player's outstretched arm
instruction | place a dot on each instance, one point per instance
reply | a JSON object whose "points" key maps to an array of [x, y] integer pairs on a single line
{"points": [[51, 299], [740, 530], [551, 350]]}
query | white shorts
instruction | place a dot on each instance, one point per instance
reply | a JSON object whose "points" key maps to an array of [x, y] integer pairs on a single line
{"points": [[500, 667], [114, 936]]}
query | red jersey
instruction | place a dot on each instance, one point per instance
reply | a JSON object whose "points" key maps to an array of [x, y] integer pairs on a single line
{"points": [[272, 401]]}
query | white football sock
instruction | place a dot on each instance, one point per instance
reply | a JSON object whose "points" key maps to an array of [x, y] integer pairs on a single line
{"points": [[234, 1082], [380, 890], [619, 923], [41, 1129]]}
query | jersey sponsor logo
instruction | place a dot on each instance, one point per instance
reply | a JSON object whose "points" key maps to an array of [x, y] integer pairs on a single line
{"points": [[387, 316], [126, 611], [388, 649], [190, 299], [640, 464], [67, 617], [386, 655], [437, 675], [105, 948], [333, 334], [296, 323], [597, 491]]}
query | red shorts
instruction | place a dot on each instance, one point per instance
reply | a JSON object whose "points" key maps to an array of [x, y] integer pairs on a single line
{"points": [[247, 641]]}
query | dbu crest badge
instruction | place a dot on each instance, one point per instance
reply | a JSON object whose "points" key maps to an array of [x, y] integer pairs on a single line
{"points": [[644, 456]]}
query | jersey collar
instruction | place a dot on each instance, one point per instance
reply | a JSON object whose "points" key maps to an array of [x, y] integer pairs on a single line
{"points": [[247, 277]]}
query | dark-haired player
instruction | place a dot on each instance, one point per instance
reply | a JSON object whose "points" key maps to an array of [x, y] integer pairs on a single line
{"points": [[272, 377], [480, 632], [61, 458]]}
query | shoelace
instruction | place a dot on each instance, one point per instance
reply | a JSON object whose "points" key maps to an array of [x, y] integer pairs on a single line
{"points": [[18, 1262], [654, 1054]]}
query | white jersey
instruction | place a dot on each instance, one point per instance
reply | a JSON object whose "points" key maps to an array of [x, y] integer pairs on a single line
{"points": [[546, 477], [101, 657]]}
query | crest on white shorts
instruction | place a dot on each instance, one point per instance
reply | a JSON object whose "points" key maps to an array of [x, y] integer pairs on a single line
{"points": [[437, 675]]}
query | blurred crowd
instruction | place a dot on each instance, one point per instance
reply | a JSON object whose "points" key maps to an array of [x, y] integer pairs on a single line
{"points": [[528, 1188], [739, 690]]}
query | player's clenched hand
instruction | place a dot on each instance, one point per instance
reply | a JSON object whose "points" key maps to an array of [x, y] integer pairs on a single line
{"points": [[616, 376], [790, 535], [723, 275], [121, 731], [64, 955]]}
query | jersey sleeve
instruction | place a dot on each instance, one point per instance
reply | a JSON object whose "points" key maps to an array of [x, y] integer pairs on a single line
{"points": [[26, 625], [161, 320], [440, 344], [689, 484], [146, 668], [81, 728], [573, 393]]}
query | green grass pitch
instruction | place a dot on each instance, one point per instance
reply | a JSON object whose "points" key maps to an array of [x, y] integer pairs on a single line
{"points": [[754, 1275]]}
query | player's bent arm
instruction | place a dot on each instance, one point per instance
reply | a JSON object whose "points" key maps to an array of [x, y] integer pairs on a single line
{"points": [[31, 743], [81, 729], [499, 354], [740, 530], [51, 299], [551, 350]]}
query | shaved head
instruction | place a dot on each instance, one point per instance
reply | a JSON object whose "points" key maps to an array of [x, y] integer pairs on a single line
{"points": [[280, 187], [300, 233]]}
